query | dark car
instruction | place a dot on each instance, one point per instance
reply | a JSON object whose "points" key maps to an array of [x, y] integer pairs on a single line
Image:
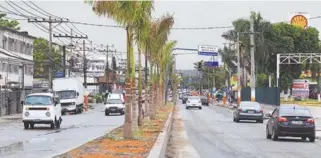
{"points": [[248, 110], [204, 100], [184, 99], [290, 120]]}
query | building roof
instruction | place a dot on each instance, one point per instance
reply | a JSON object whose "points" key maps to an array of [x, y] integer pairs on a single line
{"points": [[22, 33]]}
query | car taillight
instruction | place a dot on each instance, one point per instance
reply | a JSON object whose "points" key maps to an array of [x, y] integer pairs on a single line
{"points": [[310, 120], [240, 110], [261, 110], [282, 119]]}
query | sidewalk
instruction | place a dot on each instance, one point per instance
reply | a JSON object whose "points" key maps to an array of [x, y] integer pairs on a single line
{"points": [[9, 118]]}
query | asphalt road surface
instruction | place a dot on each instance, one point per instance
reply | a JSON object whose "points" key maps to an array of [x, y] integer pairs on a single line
{"points": [[213, 133], [15, 142]]}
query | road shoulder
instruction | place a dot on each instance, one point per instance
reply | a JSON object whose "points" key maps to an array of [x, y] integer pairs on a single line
{"points": [[179, 145]]}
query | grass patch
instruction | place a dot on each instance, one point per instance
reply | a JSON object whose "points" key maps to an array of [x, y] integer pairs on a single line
{"points": [[114, 145], [308, 102]]}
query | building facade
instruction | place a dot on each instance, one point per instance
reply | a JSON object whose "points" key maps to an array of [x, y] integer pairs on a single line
{"points": [[16, 58]]}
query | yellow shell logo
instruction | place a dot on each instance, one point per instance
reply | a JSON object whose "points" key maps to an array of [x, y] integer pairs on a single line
{"points": [[299, 20]]}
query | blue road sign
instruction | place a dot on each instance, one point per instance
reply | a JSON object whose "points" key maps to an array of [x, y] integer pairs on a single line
{"points": [[59, 74], [211, 64], [208, 53], [208, 50]]}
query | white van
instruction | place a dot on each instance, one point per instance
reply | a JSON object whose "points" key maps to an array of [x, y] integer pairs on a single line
{"points": [[41, 108]]}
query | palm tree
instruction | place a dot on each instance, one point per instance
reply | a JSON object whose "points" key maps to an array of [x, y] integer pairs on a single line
{"points": [[157, 38], [125, 13], [141, 34]]}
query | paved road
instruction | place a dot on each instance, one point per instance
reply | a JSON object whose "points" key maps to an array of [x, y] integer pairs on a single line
{"points": [[213, 133], [15, 142]]}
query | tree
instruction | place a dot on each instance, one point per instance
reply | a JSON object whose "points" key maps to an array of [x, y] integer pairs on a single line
{"points": [[13, 24], [127, 14], [42, 58], [273, 39], [156, 40]]}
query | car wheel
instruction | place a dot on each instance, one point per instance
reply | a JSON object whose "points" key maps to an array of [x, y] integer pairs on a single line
{"points": [[52, 125], [259, 121], [26, 125], [234, 119], [200, 108], [311, 139], [186, 107], [303, 138], [106, 113], [32, 125], [274, 136], [237, 120], [268, 135]]}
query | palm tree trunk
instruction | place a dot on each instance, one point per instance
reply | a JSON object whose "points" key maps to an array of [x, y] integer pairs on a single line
{"points": [[134, 95], [146, 89], [128, 133], [140, 100], [151, 96]]}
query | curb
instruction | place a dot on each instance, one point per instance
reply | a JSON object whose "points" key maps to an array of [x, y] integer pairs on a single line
{"points": [[159, 148]]}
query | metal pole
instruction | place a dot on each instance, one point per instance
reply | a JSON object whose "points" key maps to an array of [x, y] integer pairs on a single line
{"points": [[277, 70], [85, 76], [238, 69], [64, 59], [50, 53], [107, 68]]}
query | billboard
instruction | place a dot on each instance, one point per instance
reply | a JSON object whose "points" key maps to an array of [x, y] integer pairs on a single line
{"points": [[300, 88], [300, 19]]}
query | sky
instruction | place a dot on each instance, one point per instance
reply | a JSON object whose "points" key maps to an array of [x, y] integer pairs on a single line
{"points": [[187, 14]]}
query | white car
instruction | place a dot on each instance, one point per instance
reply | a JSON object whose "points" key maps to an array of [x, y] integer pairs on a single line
{"points": [[194, 102], [114, 106], [41, 108]]}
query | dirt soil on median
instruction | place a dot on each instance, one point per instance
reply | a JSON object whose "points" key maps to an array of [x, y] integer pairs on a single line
{"points": [[113, 145]]}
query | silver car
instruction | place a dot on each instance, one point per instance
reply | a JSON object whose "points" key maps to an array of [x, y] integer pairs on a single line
{"points": [[248, 111], [194, 102]]}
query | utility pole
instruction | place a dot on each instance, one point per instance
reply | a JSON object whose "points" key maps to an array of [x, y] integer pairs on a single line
{"points": [[238, 68], [252, 45], [71, 36], [50, 20]]}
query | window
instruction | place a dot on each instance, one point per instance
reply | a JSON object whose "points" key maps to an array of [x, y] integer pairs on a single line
{"points": [[294, 112], [38, 100], [4, 67], [275, 113], [31, 49], [15, 69], [4, 42], [21, 47], [15, 45], [26, 48], [10, 44], [10, 68]]}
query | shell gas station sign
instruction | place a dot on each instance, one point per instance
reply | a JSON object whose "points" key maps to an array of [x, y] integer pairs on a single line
{"points": [[299, 19]]}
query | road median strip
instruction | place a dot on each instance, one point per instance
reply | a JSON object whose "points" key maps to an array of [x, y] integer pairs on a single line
{"points": [[150, 139]]}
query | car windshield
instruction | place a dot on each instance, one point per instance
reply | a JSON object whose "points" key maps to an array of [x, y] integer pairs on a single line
{"points": [[38, 100], [114, 96], [294, 112], [66, 94], [114, 101], [250, 105]]}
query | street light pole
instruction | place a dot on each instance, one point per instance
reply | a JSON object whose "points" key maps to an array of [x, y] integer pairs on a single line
{"points": [[252, 45], [238, 68]]}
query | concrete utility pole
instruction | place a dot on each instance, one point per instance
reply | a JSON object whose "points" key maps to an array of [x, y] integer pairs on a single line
{"points": [[252, 45], [50, 21], [238, 68], [71, 36]]}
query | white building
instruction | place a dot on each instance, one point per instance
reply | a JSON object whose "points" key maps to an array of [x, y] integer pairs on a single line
{"points": [[16, 53]]}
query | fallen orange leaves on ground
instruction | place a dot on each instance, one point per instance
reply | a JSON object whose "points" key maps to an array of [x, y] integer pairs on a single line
{"points": [[113, 145]]}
